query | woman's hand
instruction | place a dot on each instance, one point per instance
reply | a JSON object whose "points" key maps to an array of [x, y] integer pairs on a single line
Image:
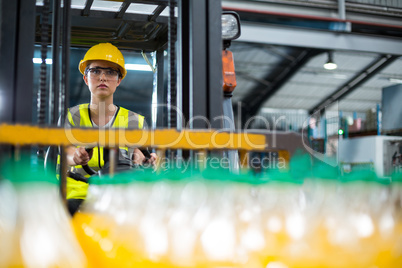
{"points": [[152, 159], [78, 156], [140, 159]]}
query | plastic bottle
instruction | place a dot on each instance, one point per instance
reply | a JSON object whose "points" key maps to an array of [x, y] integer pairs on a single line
{"points": [[393, 256], [35, 229], [94, 222], [322, 211], [282, 205], [363, 199]]}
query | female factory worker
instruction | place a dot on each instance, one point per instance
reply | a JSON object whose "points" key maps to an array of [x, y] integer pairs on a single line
{"points": [[103, 70]]}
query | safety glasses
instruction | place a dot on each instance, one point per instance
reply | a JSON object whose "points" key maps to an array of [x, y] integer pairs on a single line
{"points": [[97, 72]]}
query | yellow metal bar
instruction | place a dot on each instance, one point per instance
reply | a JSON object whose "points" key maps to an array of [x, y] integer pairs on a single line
{"points": [[160, 153], [201, 159], [244, 159], [285, 155], [164, 138], [63, 175]]}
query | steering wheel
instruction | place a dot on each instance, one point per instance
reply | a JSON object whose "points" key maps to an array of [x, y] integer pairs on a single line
{"points": [[122, 165]]}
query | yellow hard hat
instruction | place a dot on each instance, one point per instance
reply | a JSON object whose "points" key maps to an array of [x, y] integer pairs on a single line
{"points": [[104, 51]]}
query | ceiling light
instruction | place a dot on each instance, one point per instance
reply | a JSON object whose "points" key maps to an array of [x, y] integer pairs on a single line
{"points": [[330, 64], [395, 80], [138, 67], [133, 67], [340, 76], [39, 61]]}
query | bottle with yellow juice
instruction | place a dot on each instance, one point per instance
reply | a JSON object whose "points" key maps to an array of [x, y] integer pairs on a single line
{"points": [[35, 228]]}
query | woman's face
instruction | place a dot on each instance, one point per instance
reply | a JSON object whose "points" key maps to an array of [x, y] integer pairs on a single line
{"points": [[102, 78]]}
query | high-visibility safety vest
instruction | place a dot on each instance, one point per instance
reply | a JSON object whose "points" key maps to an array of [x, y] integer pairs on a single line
{"points": [[80, 116]]}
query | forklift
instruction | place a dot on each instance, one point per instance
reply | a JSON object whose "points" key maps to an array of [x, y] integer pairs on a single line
{"points": [[195, 80]]}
